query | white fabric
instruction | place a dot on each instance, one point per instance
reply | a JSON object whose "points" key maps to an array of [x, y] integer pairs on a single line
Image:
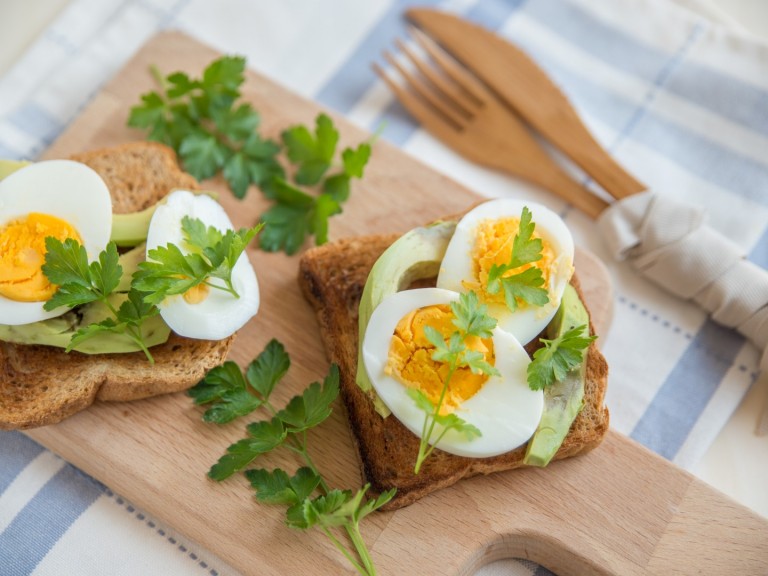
{"points": [[670, 243], [676, 98]]}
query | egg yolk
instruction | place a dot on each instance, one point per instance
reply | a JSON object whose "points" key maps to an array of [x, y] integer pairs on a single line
{"points": [[410, 357], [493, 245], [22, 255], [196, 294]]}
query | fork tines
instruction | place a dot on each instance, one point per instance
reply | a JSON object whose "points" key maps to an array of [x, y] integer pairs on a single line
{"points": [[434, 84]]}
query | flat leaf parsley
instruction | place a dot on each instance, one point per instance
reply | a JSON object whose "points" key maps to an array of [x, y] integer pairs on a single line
{"points": [[310, 501], [214, 132], [552, 361], [471, 319], [212, 254], [79, 283], [525, 285]]}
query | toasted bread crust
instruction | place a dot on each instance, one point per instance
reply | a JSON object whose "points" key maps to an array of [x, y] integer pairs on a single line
{"points": [[41, 385], [332, 278]]}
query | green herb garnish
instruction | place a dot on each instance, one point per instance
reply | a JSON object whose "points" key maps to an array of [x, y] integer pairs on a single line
{"points": [[234, 394], [553, 361], [213, 131], [81, 282], [213, 254], [310, 501], [525, 285], [471, 319]]}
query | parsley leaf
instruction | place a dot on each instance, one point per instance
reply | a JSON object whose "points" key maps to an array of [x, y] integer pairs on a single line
{"points": [[277, 487], [170, 271], [214, 132], [312, 153], [313, 406], [295, 216], [268, 368], [471, 319], [524, 285], [553, 361], [309, 500], [234, 394], [263, 436], [208, 127], [66, 264]]}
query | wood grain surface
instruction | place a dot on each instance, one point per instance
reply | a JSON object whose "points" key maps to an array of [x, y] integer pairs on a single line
{"points": [[618, 510]]}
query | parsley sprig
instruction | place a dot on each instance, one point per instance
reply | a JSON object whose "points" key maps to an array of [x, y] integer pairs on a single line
{"points": [[213, 254], [552, 361], [296, 213], [310, 501], [471, 319], [214, 131], [81, 282], [527, 284], [211, 131]]}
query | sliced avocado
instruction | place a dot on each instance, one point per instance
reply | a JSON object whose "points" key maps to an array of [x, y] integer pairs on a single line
{"points": [[131, 229], [8, 167], [130, 263], [414, 256], [58, 331], [564, 399]]}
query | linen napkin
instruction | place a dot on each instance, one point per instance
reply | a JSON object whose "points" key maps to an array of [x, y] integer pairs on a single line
{"points": [[677, 98]]}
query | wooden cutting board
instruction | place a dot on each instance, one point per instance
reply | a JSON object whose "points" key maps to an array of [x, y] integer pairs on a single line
{"points": [[618, 510]]}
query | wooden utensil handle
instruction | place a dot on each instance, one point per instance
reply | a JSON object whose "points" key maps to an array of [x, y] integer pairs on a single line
{"points": [[574, 140]]}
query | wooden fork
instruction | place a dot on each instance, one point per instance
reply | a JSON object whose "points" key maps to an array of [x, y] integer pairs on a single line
{"points": [[460, 111]]}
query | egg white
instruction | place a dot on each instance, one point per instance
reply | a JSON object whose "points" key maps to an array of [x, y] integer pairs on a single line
{"points": [[505, 409], [220, 314], [68, 190], [527, 321]]}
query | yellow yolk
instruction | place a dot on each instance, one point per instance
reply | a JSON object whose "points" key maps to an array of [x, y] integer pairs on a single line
{"points": [[196, 294], [410, 357], [493, 245], [22, 255]]}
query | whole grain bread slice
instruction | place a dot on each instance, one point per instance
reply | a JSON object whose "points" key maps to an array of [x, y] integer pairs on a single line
{"points": [[332, 278], [41, 385]]}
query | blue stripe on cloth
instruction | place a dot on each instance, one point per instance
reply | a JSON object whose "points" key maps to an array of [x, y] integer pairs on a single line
{"points": [[730, 97], [759, 254], [602, 41], [706, 158], [726, 95], [33, 120], [16, 451], [7, 152], [345, 88], [687, 390], [55, 507], [697, 154], [399, 124]]}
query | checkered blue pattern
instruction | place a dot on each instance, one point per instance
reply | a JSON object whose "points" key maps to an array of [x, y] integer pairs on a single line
{"points": [[679, 100]]}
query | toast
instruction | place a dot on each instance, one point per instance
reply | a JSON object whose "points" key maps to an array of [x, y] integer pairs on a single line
{"points": [[41, 385], [332, 278]]}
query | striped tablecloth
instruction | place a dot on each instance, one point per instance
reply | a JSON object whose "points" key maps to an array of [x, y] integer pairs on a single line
{"points": [[678, 99]]}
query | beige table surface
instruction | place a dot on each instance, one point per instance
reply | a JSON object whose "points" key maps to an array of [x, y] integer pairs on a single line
{"points": [[737, 463]]}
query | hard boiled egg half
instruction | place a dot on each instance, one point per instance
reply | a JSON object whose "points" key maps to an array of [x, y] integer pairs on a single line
{"points": [[397, 355], [202, 312], [58, 198], [484, 237]]}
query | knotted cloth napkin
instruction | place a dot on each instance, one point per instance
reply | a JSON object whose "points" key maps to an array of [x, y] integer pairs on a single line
{"points": [[670, 243]]}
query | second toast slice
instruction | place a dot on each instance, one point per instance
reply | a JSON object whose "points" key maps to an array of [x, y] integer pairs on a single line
{"points": [[332, 278]]}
